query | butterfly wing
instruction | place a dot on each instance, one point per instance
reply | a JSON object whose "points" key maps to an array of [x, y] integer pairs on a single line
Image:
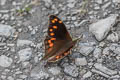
{"points": [[57, 37], [57, 29]]}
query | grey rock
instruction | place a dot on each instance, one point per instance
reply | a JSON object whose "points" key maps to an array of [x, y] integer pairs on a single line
{"points": [[100, 73], [74, 18], [97, 52], [25, 54], [39, 73], [99, 1], [106, 51], [3, 2], [115, 48], [87, 75], [116, 1], [10, 78], [5, 61], [55, 70], [6, 30], [81, 61], [101, 28], [106, 5], [104, 69], [86, 50], [23, 42], [117, 77], [113, 37], [71, 70]]}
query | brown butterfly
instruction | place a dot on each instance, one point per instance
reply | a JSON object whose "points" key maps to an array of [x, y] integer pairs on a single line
{"points": [[58, 42]]}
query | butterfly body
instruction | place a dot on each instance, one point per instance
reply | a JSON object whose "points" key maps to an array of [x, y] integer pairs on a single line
{"points": [[58, 41]]}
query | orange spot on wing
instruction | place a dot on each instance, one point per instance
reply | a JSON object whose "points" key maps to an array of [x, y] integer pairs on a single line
{"points": [[55, 27], [60, 21], [53, 21], [57, 57], [53, 38], [51, 30], [66, 53], [56, 19], [51, 44], [49, 41], [52, 34]]}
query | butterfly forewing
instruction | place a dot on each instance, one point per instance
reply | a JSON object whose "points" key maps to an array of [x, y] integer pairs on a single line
{"points": [[57, 29]]}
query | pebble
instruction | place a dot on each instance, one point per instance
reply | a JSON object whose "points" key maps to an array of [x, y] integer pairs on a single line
{"points": [[55, 70], [86, 50], [116, 1], [101, 28], [100, 73], [5, 61], [87, 75], [81, 61], [97, 53], [10, 78], [113, 37], [23, 42], [25, 54], [6, 30], [71, 70], [104, 69], [38, 73], [99, 1], [106, 5], [3, 2]]}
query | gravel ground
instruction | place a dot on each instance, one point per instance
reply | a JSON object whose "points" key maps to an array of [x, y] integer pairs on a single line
{"points": [[23, 26]]}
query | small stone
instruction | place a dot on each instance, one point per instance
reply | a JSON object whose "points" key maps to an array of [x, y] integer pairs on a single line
{"points": [[55, 70], [116, 1], [81, 61], [104, 69], [106, 51], [6, 30], [100, 73], [23, 76], [106, 5], [10, 78], [23, 42], [99, 1], [87, 75], [86, 50], [38, 73], [113, 37], [71, 70], [25, 54], [3, 2], [97, 53], [5, 61], [101, 28], [74, 18]]}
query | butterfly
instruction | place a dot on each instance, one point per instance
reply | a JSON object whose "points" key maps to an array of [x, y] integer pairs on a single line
{"points": [[58, 41]]}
